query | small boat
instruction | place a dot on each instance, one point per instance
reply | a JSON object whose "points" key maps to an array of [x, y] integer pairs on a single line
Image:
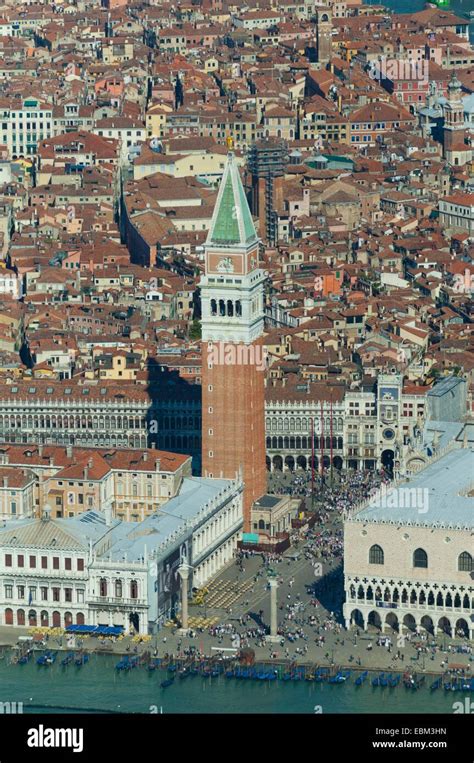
{"points": [[168, 682], [360, 679], [436, 684], [81, 660], [67, 659], [47, 658], [412, 682], [394, 681], [340, 677], [24, 658], [451, 686], [376, 681]]}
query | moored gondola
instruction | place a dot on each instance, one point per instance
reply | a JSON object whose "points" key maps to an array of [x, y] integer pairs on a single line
{"points": [[360, 679]]}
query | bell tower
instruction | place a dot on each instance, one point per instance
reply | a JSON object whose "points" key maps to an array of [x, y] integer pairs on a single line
{"points": [[456, 150], [233, 359], [323, 34]]}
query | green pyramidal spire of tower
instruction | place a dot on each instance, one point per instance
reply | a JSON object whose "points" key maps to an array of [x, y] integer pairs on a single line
{"points": [[231, 223]]}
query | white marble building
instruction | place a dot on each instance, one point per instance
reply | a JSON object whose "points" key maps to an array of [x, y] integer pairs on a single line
{"points": [[95, 570], [408, 555]]}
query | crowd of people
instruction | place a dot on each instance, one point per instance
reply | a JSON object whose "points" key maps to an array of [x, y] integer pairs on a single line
{"points": [[352, 488], [336, 493], [306, 621]]}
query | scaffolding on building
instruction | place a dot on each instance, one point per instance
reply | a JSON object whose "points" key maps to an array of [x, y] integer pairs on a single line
{"points": [[267, 159]]}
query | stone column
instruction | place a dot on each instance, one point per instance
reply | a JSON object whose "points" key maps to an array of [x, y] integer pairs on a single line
{"points": [[273, 637], [184, 571]]}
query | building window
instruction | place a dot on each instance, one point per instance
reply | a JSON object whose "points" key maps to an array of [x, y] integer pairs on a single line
{"points": [[32, 562], [68, 594], [44, 593], [67, 563], [21, 591], [9, 592], [80, 565], [133, 589], [44, 562], [420, 558], [55, 562], [8, 560], [103, 587], [56, 594], [465, 562], [21, 561], [376, 555]]}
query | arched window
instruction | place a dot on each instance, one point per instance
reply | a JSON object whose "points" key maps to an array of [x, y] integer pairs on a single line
{"points": [[465, 562], [238, 308], [376, 555], [118, 589], [221, 307], [230, 308], [261, 524], [420, 558], [103, 587], [133, 589]]}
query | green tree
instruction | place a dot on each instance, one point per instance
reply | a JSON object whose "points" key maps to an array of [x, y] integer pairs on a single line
{"points": [[195, 330]]}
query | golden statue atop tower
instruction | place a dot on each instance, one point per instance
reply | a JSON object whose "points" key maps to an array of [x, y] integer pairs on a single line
{"points": [[230, 143]]}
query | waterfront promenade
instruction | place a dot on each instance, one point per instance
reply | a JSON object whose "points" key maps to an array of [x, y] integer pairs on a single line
{"points": [[314, 633]]}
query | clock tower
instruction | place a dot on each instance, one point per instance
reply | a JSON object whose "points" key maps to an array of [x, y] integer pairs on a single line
{"points": [[233, 357]]}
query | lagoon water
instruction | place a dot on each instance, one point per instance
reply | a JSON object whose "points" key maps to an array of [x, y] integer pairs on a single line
{"points": [[459, 7], [98, 687]]}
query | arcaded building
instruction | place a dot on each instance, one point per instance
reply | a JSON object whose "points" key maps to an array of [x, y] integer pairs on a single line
{"points": [[408, 553]]}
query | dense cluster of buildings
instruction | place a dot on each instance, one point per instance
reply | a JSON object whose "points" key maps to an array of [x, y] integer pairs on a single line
{"points": [[232, 241]]}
